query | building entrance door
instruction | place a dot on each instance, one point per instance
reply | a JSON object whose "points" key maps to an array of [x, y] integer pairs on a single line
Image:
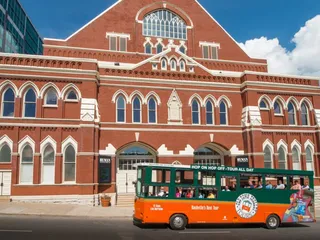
{"points": [[5, 183]]}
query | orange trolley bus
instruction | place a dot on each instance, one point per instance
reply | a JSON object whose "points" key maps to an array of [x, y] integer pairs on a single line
{"points": [[179, 195]]}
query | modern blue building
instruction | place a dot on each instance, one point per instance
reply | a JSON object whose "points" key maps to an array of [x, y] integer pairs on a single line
{"points": [[17, 34]]}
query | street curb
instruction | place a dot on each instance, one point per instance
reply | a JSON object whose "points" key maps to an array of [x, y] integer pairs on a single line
{"points": [[64, 216]]}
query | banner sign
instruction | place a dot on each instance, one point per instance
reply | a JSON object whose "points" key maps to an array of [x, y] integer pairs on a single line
{"points": [[242, 161]]}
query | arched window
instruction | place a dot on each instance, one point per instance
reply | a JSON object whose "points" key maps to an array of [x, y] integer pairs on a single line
{"points": [[296, 159], [152, 109], [51, 97], [26, 167], [309, 159], [121, 109], [209, 113], [277, 108], [30, 104], [71, 95], [182, 49], [48, 158], [282, 159], [182, 66], [304, 115], [291, 114], [8, 103], [195, 112], [267, 157], [173, 65], [263, 105], [164, 23], [207, 156], [148, 48], [69, 164], [223, 113], [5, 154], [164, 64], [136, 110], [159, 48]]}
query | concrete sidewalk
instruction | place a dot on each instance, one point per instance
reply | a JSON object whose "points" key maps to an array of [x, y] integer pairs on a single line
{"points": [[64, 210]]}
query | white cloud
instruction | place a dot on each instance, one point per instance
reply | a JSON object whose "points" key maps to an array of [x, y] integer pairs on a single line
{"points": [[304, 59]]}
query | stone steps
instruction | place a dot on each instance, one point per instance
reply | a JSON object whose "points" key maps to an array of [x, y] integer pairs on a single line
{"points": [[125, 200]]}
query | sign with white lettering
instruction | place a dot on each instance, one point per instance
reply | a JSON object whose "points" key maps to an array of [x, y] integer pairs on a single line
{"points": [[242, 161], [104, 169]]}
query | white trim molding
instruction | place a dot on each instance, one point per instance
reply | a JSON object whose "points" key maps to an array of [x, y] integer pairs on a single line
{"points": [[295, 143], [268, 143], [24, 141], [48, 141], [47, 87], [119, 92], [283, 144], [69, 141]]}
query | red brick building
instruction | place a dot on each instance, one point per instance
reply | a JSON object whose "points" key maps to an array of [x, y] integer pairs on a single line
{"points": [[146, 81]]}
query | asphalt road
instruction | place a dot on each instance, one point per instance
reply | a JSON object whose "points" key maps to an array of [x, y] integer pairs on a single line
{"points": [[26, 227]]}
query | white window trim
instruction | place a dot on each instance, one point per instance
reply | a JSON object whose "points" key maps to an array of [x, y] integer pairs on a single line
{"points": [[122, 35], [184, 66], [199, 112], [156, 47], [5, 140], [145, 48], [116, 41], [308, 114], [213, 118], [267, 106], [227, 112], [156, 111], [295, 115], [48, 141], [166, 67], [2, 103], [203, 52], [24, 105], [20, 164], [126, 41], [281, 146], [133, 110], [175, 66], [125, 109], [66, 143], [46, 96], [209, 44], [281, 109]]}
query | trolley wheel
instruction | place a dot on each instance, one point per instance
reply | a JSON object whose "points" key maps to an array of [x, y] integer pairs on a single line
{"points": [[272, 222], [178, 222]]}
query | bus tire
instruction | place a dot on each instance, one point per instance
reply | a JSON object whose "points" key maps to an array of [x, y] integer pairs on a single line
{"points": [[178, 222], [273, 221]]}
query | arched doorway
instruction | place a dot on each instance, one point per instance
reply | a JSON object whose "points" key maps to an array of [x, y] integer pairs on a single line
{"points": [[209, 155], [126, 158]]}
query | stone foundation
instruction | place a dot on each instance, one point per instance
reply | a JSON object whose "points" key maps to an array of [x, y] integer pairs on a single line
{"points": [[89, 200]]}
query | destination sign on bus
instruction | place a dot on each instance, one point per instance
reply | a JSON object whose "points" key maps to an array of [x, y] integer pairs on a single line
{"points": [[222, 168]]}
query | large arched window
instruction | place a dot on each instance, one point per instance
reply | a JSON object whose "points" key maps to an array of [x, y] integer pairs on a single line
{"points": [[309, 159], [165, 24], [69, 164], [195, 112], [51, 97], [209, 113], [30, 104], [296, 159], [291, 114], [152, 111], [26, 166], [207, 156], [48, 158], [282, 159], [304, 115], [223, 114], [267, 157], [136, 110], [263, 105], [5, 154], [8, 103], [121, 109]]}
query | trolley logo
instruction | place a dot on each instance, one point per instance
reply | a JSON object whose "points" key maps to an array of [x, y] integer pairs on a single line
{"points": [[246, 205]]}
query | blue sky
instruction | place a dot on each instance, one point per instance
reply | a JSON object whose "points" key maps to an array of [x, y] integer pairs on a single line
{"points": [[244, 20]]}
